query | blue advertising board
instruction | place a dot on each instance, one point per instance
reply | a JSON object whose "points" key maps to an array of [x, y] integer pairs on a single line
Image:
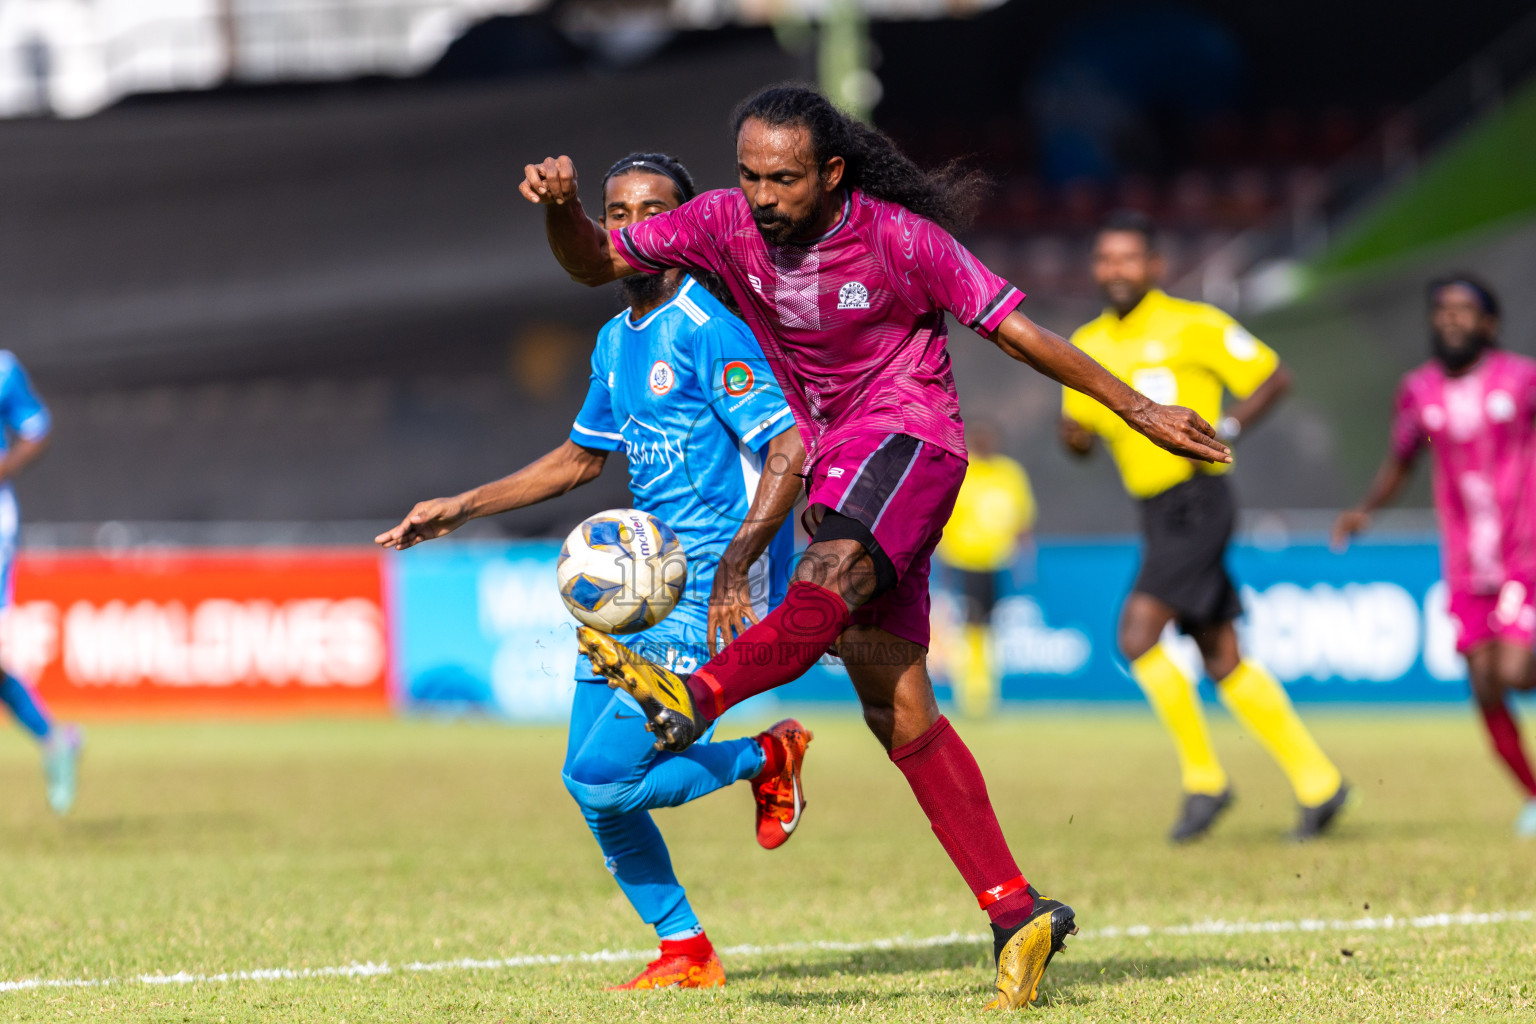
{"points": [[1368, 624], [481, 626]]}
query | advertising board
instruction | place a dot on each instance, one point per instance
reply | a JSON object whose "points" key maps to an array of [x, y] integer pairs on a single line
{"points": [[481, 626], [202, 631]]}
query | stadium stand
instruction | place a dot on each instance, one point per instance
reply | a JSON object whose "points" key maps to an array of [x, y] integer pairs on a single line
{"points": [[323, 285]]}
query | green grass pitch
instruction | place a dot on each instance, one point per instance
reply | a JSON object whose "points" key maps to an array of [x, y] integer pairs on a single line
{"points": [[213, 848]]}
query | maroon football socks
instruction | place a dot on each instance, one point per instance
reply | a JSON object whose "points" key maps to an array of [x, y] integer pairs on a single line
{"points": [[949, 788], [1505, 735]]}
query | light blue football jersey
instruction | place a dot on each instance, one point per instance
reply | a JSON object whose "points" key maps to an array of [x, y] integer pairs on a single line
{"points": [[688, 397], [23, 415]]}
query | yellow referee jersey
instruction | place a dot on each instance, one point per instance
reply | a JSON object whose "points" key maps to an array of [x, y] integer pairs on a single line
{"points": [[994, 507], [1177, 353]]}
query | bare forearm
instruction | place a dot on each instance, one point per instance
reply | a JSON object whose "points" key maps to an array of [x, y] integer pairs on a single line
{"points": [[580, 245], [1389, 480], [557, 473], [1257, 405], [777, 490], [1174, 428], [1063, 362], [21, 455]]}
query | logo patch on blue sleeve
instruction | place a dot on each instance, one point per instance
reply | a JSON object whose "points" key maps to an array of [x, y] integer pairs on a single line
{"points": [[738, 378]]}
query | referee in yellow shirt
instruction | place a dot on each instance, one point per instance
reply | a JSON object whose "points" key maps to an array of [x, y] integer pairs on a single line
{"points": [[1188, 352], [994, 512]]}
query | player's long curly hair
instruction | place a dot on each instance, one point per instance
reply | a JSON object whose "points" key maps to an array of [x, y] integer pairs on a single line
{"points": [[948, 196], [671, 167]]}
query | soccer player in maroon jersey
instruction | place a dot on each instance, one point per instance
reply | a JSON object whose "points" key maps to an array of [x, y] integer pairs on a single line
{"points": [[839, 251], [1474, 405]]}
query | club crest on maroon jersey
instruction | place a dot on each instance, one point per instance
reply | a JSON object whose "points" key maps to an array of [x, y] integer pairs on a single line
{"points": [[853, 295]]}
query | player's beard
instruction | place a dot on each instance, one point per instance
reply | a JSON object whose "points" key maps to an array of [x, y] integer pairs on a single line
{"points": [[643, 289], [1456, 358], [777, 229]]}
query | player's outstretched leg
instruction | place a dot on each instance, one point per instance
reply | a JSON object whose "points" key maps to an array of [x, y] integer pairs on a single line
{"points": [[60, 743], [669, 708], [777, 650], [614, 773]]}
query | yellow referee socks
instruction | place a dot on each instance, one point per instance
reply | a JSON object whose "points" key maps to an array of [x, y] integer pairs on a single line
{"points": [[1257, 700], [1172, 695], [978, 686]]}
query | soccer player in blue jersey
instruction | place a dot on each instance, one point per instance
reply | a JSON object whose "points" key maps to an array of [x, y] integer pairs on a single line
{"points": [[24, 428], [678, 383]]}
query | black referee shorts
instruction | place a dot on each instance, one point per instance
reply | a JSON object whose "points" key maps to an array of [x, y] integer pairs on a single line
{"points": [[1185, 532], [979, 592]]}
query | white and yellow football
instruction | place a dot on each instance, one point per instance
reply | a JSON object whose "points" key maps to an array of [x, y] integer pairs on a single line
{"points": [[622, 571]]}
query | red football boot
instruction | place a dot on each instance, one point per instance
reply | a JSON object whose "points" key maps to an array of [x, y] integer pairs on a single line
{"points": [[691, 963], [780, 800]]}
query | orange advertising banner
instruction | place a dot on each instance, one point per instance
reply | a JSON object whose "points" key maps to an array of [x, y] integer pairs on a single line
{"points": [[215, 632]]}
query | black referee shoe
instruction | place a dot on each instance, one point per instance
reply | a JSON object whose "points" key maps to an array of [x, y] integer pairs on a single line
{"points": [[1316, 820], [1200, 812]]}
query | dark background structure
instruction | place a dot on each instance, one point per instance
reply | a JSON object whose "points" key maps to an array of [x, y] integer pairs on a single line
{"points": [[322, 302]]}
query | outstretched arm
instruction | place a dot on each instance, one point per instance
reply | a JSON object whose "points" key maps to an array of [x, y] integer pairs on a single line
{"points": [[564, 469], [1394, 472], [21, 455], [1253, 408], [579, 243], [1173, 427], [730, 600]]}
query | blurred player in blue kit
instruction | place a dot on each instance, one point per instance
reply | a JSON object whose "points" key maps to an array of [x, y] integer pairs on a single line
{"points": [[24, 428], [678, 383]]}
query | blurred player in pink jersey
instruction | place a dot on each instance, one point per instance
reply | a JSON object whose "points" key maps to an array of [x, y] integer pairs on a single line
{"points": [[839, 251], [1475, 405]]}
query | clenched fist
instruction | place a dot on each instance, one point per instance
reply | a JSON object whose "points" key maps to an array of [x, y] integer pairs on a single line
{"points": [[551, 183]]}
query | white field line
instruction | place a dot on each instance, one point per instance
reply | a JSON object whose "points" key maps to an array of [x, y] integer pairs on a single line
{"points": [[362, 970]]}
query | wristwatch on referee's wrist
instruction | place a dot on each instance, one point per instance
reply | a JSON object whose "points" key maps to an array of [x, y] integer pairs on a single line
{"points": [[1228, 428]]}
